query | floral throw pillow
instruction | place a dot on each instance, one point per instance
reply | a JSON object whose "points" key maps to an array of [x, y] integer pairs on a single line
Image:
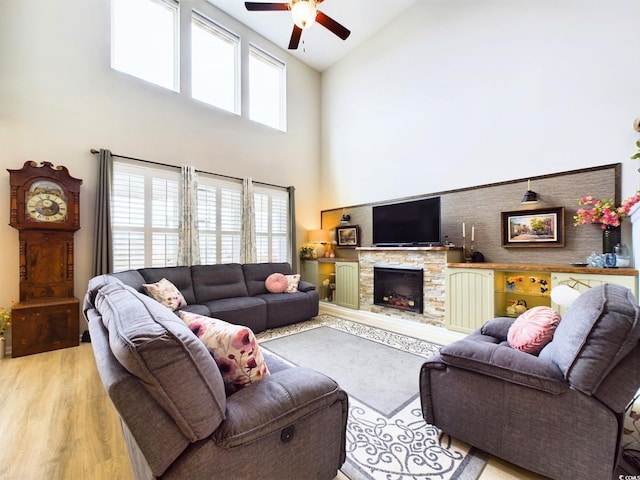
{"points": [[166, 293], [293, 281], [234, 349]]}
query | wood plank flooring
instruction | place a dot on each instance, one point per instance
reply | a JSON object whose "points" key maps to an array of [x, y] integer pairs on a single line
{"points": [[57, 423]]}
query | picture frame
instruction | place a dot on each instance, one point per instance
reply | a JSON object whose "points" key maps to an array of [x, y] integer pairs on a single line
{"points": [[541, 227], [347, 236]]}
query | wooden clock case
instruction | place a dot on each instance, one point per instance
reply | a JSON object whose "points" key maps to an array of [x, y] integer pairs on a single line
{"points": [[47, 316]]}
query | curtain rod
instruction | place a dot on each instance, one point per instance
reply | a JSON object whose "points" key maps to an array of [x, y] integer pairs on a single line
{"points": [[94, 151]]}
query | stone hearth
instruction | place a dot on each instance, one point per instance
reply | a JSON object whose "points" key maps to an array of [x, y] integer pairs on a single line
{"points": [[432, 260]]}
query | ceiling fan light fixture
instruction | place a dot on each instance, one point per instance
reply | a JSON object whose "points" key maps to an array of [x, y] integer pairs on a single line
{"points": [[304, 13]]}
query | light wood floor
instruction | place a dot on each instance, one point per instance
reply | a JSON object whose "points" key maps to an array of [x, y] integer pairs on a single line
{"points": [[57, 423]]}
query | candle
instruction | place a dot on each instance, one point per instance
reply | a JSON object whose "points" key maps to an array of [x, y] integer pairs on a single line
{"points": [[473, 232], [463, 233]]}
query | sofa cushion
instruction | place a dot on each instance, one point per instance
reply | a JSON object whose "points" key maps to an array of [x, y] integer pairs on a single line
{"points": [[255, 275], [179, 276], [153, 344], [248, 311], [533, 329], [213, 282], [234, 348], [598, 331], [166, 293], [276, 283]]}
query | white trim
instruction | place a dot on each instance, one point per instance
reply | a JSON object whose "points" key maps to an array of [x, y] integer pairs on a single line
{"points": [[423, 331]]}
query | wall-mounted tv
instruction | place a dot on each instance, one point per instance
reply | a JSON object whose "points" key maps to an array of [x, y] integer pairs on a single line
{"points": [[413, 223]]}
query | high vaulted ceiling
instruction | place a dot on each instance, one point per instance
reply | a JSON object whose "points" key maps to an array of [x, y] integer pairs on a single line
{"points": [[319, 48]]}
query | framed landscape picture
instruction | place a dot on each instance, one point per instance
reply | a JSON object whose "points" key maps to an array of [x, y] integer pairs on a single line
{"points": [[347, 236], [542, 227]]}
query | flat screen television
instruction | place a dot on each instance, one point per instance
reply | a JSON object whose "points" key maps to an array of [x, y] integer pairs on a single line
{"points": [[413, 223]]}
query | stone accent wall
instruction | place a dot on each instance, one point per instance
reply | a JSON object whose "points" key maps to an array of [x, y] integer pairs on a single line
{"points": [[433, 262]]}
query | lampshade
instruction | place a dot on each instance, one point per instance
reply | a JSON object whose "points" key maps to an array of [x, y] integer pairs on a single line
{"points": [[304, 13], [530, 196], [564, 295], [319, 236]]}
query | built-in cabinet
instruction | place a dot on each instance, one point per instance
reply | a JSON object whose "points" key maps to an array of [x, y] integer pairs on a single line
{"points": [[476, 293], [337, 280]]}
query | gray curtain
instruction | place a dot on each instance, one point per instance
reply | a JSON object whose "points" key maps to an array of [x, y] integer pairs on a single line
{"points": [[102, 234], [292, 228], [188, 239], [248, 252]]}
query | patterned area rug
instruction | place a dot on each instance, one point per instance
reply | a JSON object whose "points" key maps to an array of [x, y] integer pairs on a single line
{"points": [[388, 439]]}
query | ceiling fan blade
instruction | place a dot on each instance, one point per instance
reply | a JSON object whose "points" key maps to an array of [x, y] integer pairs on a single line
{"points": [[255, 6], [295, 37], [332, 25]]}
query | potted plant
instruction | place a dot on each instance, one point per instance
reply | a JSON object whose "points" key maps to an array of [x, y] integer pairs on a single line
{"points": [[5, 322]]}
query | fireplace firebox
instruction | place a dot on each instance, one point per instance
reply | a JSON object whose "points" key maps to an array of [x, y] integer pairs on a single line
{"points": [[398, 287]]}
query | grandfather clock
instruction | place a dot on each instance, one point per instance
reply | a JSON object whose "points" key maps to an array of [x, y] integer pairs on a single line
{"points": [[45, 209]]}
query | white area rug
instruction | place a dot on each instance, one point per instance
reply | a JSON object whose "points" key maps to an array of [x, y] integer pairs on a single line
{"points": [[383, 443]]}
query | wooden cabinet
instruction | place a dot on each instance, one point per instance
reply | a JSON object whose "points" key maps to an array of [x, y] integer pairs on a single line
{"points": [[347, 284], [43, 325], [583, 282], [469, 298], [336, 280], [476, 293]]}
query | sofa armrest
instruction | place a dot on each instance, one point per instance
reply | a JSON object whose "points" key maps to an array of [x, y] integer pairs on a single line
{"points": [[305, 286], [505, 363], [276, 402], [497, 327]]}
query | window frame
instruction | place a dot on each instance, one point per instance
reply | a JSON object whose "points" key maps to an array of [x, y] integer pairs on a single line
{"points": [[262, 55], [172, 5], [226, 35]]}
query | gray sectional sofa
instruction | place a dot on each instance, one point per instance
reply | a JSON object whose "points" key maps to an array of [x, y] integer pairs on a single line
{"points": [[177, 420], [233, 292]]}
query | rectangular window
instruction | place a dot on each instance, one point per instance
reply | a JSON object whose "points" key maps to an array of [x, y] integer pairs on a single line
{"points": [[144, 209], [214, 64], [219, 220], [272, 224], [267, 87], [144, 40]]}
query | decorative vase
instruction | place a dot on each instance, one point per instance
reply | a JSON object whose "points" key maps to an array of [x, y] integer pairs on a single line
{"points": [[3, 342], [610, 238]]}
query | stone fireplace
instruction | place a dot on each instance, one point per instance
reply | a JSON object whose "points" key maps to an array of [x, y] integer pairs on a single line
{"points": [[431, 261], [399, 288]]}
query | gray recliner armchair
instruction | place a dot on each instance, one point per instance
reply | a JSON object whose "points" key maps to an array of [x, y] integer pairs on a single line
{"points": [[559, 414], [177, 421]]}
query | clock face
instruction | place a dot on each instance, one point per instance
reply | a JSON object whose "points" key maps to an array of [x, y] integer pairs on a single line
{"points": [[46, 202]]}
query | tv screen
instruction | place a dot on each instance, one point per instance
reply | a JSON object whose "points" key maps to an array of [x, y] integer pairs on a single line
{"points": [[407, 223]]}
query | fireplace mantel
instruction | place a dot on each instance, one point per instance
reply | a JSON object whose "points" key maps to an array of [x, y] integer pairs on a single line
{"points": [[432, 260]]}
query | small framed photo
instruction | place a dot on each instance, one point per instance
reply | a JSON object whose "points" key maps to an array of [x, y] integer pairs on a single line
{"points": [[542, 227], [347, 236]]}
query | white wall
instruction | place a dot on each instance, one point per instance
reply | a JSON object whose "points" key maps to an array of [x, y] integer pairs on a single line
{"points": [[457, 93], [59, 98]]}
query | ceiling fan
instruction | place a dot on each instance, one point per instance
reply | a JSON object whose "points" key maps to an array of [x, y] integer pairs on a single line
{"points": [[305, 14]]}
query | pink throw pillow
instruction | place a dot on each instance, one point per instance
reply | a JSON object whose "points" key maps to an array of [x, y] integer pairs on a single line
{"points": [[532, 330], [234, 349], [276, 283]]}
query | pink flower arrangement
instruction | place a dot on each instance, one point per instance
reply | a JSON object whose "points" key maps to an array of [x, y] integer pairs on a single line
{"points": [[603, 211]]}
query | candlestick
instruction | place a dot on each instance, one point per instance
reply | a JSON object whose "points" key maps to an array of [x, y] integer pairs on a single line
{"points": [[463, 232], [473, 233]]}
